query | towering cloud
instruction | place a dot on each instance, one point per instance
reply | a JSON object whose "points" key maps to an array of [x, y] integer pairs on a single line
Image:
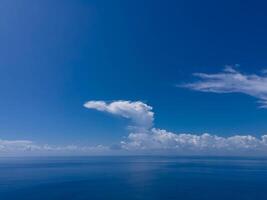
{"points": [[138, 112], [232, 81], [158, 140]]}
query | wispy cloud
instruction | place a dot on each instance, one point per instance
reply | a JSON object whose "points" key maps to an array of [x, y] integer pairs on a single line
{"points": [[29, 147], [232, 81]]}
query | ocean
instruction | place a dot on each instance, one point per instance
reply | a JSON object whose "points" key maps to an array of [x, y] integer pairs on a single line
{"points": [[133, 178]]}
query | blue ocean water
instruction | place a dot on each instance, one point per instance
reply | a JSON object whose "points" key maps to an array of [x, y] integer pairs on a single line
{"points": [[128, 178]]}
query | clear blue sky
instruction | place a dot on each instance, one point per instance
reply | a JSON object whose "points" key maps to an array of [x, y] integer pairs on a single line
{"points": [[57, 54]]}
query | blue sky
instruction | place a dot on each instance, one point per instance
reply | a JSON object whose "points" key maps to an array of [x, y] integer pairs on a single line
{"points": [[57, 55]]}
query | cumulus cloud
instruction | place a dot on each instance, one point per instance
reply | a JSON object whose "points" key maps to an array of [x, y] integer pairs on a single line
{"points": [[29, 147], [148, 139], [138, 112], [158, 140], [232, 81], [152, 139]]}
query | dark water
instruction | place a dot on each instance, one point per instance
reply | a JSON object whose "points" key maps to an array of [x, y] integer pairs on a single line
{"points": [[128, 178]]}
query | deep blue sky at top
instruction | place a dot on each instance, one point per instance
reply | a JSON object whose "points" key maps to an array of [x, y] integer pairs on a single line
{"points": [[57, 54]]}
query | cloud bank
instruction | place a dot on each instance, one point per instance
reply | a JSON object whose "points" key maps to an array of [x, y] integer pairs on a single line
{"points": [[232, 81], [204, 144], [158, 140]]}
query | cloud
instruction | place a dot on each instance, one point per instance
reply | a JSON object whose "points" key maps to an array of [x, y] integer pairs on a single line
{"points": [[205, 144], [10, 145], [156, 140], [29, 147], [232, 81], [146, 138], [138, 112]]}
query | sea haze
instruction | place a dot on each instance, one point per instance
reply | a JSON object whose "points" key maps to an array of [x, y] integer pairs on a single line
{"points": [[136, 177]]}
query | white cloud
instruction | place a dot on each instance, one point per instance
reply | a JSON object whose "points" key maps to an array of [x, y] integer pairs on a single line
{"points": [[138, 112], [232, 81], [158, 140], [150, 141], [10, 145], [29, 147], [146, 138]]}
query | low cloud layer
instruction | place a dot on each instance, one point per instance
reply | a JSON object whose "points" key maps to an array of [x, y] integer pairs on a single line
{"points": [[17, 147], [232, 81], [205, 144]]}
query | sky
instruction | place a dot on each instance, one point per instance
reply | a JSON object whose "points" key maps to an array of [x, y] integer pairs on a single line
{"points": [[93, 76]]}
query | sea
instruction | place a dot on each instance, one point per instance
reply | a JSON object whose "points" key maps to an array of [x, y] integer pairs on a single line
{"points": [[133, 178]]}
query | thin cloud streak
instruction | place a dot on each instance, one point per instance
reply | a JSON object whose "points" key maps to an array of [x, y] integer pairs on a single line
{"points": [[29, 147], [232, 81]]}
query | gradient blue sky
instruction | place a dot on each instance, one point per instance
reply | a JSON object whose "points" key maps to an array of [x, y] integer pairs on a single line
{"points": [[55, 55]]}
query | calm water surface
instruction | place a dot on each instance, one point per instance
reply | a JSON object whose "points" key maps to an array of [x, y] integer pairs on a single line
{"points": [[142, 178]]}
